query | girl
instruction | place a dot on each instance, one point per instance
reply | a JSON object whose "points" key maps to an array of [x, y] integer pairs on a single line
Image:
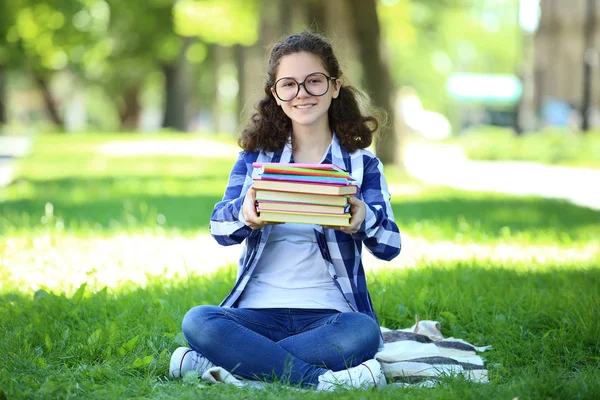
{"points": [[300, 312]]}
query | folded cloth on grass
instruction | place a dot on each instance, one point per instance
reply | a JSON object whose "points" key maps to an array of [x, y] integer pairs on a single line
{"points": [[421, 355], [418, 355], [221, 375]]}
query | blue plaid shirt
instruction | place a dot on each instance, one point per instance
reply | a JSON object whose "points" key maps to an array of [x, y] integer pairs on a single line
{"points": [[341, 251]]}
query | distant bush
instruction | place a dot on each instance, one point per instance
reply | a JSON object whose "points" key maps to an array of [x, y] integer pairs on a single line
{"points": [[550, 146]]}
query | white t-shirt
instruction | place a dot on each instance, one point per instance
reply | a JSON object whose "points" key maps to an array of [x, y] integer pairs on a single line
{"points": [[291, 273]]}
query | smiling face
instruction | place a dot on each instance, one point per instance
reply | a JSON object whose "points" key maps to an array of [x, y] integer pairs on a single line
{"points": [[305, 109]]}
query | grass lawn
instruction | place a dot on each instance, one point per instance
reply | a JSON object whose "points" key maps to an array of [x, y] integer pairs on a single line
{"points": [[99, 261]]}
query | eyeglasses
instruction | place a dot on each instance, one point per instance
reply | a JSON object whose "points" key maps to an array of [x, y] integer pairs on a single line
{"points": [[315, 84]]}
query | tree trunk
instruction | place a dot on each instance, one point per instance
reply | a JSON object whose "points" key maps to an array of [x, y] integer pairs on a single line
{"points": [[214, 55], [286, 16], [2, 96], [176, 91], [256, 59], [49, 101], [376, 75], [131, 110], [316, 15], [588, 58], [240, 63]]}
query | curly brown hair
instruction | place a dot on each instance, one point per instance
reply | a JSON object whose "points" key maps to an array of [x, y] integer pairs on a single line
{"points": [[269, 127]]}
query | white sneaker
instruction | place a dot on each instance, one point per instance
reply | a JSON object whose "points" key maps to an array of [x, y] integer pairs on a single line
{"points": [[364, 376], [185, 359]]}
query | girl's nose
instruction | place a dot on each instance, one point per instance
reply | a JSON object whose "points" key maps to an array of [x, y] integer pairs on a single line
{"points": [[302, 90]]}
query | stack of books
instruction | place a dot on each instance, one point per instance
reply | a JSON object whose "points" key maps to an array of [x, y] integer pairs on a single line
{"points": [[303, 193]]}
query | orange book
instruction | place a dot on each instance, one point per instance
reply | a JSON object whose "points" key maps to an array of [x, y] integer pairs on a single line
{"points": [[307, 198], [305, 218], [297, 187]]}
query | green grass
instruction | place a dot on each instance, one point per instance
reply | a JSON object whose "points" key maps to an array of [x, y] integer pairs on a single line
{"points": [[91, 193], [66, 332], [550, 146]]}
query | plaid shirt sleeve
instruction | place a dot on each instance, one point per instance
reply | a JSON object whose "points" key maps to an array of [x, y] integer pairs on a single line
{"points": [[227, 224], [379, 232]]}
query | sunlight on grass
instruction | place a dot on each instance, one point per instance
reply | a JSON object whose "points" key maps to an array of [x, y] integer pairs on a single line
{"points": [[201, 147], [63, 262]]}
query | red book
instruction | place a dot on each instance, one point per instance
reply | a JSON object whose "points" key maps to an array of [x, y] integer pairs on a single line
{"points": [[298, 187]]}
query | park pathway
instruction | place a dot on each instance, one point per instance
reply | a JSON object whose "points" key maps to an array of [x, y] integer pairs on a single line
{"points": [[447, 165], [11, 147]]}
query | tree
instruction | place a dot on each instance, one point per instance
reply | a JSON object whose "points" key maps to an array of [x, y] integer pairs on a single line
{"points": [[589, 52], [220, 25], [376, 75], [41, 41], [7, 15], [143, 40], [2, 96]]}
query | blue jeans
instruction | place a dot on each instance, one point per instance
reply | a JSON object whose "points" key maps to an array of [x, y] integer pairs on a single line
{"points": [[292, 346]]}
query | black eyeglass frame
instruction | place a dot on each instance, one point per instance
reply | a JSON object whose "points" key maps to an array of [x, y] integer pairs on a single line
{"points": [[329, 78]]}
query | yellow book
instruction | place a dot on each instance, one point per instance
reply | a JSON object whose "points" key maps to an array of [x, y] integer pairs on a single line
{"points": [[305, 218]]}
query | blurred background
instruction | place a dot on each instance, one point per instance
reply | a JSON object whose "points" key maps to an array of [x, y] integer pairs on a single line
{"points": [[438, 67]]}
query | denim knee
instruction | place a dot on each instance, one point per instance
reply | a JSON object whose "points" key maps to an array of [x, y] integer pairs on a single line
{"points": [[366, 332], [196, 320]]}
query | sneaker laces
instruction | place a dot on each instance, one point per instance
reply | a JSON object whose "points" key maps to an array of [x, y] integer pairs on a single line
{"points": [[371, 372], [183, 358], [199, 362]]}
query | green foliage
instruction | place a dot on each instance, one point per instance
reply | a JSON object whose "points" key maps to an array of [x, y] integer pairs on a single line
{"points": [[430, 40], [50, 35], [226, 23], [550, 146]]}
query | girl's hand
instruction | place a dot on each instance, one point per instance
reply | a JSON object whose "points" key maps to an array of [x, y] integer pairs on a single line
{"points": [[250, 214], [358, 210]]}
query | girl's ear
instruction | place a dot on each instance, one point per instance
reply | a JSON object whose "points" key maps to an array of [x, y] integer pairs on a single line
{"points": [[337, 86], [275, 97]]}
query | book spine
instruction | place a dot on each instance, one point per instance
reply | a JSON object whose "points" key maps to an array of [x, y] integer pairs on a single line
{"points": [[290, 187], [330, 167], [308, 172], [302, 178], [277, 206]]}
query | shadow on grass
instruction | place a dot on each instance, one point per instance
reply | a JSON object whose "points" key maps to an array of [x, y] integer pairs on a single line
{"points": [[118, 342], [185, 205], [493, 216], [182, 204]]}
